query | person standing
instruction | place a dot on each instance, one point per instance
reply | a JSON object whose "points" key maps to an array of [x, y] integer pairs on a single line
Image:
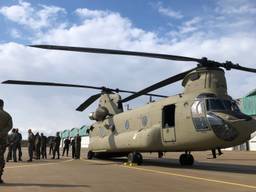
{"points": [[66, 146], [56, 148], [31, 142], [73, 147], [9, 147], [15, 141], [77, 146], [37, 145], [43, 146], [51, 143], [19, 144], [5, 127], [12, 148]]}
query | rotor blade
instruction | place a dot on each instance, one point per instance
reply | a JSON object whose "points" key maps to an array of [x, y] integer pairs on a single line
{"points": [[88, 102], [17, 82], [158, 85], [37, 83], [230, 65], [117, 52]]}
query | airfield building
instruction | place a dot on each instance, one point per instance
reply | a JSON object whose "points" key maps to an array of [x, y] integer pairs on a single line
{"points": [[82, 131], [248, 106]]}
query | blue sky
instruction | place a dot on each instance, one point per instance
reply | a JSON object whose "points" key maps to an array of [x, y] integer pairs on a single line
{"points": [[220, 30]]}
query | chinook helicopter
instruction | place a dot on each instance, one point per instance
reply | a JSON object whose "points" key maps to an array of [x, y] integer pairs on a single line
{"points": [[203, 117]]}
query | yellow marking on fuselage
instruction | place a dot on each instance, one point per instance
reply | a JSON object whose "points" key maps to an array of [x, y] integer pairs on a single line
{"points": [[179, 175]]}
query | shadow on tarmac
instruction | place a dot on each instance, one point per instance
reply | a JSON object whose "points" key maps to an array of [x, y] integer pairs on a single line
{"points": [[220, 167], [174, 163], [42, 185]]}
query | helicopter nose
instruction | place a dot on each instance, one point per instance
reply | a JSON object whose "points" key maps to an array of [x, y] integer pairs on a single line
{"points": [[244, 127]]}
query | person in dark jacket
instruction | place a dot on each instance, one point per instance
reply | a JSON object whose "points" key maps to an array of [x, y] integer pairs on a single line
{"points": [[13, 143], [43, 146], [5, 127], [51, 143], [19, 144], [56, 148], [73, 147], [31, 143], [66, 146], [9, 148], [77, 146], [37, 145]]}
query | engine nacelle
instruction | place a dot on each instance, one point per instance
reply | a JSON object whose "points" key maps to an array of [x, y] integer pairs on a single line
{"points": [[99, 114]]}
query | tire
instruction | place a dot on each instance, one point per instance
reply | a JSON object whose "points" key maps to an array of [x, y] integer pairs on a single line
{"points": [[139, 158], [90, 155]]}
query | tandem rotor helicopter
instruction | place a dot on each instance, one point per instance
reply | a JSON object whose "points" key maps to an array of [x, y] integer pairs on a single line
{"points": [[203, 117]]}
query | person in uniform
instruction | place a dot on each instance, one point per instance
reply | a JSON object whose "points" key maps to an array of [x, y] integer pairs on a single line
{"points": [[9, 148], [12, 146], [73, 147], [5, 127], [214, 153], [31, 142], [15, 142], [37, 145], [66, 146], [77, 146], [51, 143], [56, 148], [19, 144], [43, 146]]}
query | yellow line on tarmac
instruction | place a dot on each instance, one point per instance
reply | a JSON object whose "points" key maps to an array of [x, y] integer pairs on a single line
{"points": [[36, 165], [182, 175]]}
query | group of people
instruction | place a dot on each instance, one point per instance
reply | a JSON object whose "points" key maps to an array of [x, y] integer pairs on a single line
{"points": [[14, 144], [37, 145], [75, 144]]}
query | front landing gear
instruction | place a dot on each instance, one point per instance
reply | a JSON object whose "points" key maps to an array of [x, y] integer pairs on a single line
{"points": [[135, 158], [186, 159]]}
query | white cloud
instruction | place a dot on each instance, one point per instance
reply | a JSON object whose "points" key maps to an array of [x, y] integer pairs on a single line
{"points": [[236, 7], [168, 12], [84, 12], [190, 26], [24, 14], [15, 33]]}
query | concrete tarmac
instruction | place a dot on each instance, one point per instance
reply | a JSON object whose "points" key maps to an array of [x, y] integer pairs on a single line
{"points": [[233, 171]]}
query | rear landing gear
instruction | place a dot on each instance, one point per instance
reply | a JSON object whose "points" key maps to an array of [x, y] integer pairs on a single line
{"points": [[135, 158], [186, 159], [90, 155]]}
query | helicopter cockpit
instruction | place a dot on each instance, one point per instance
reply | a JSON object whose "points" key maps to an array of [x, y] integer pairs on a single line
{"points": [[210, 112]]}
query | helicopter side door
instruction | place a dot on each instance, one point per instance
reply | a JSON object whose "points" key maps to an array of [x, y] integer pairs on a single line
{"points": [[168, 123]]}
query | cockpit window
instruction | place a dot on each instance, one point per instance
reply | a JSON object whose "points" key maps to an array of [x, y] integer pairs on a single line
{"points": [[213, 104]]}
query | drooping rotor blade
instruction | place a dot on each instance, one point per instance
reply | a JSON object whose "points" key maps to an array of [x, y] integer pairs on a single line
{"points": [[117, 52], [158, 85], [88, 102], [17, 82], [229, 65], [38, 83]]}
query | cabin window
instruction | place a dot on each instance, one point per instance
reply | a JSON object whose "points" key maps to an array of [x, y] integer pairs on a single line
{"points": [[144, 121], [126, 124], [168, 116]]}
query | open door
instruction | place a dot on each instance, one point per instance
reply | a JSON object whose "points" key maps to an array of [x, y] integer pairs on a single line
{"points": [[168, 123]]}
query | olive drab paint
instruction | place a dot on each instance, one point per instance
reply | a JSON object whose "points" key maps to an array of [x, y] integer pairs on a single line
{"points": [[133, 133]]}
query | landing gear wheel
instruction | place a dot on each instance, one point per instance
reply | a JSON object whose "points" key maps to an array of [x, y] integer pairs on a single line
{"points": [[90, 155], [135, 158], [186, 159]]}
